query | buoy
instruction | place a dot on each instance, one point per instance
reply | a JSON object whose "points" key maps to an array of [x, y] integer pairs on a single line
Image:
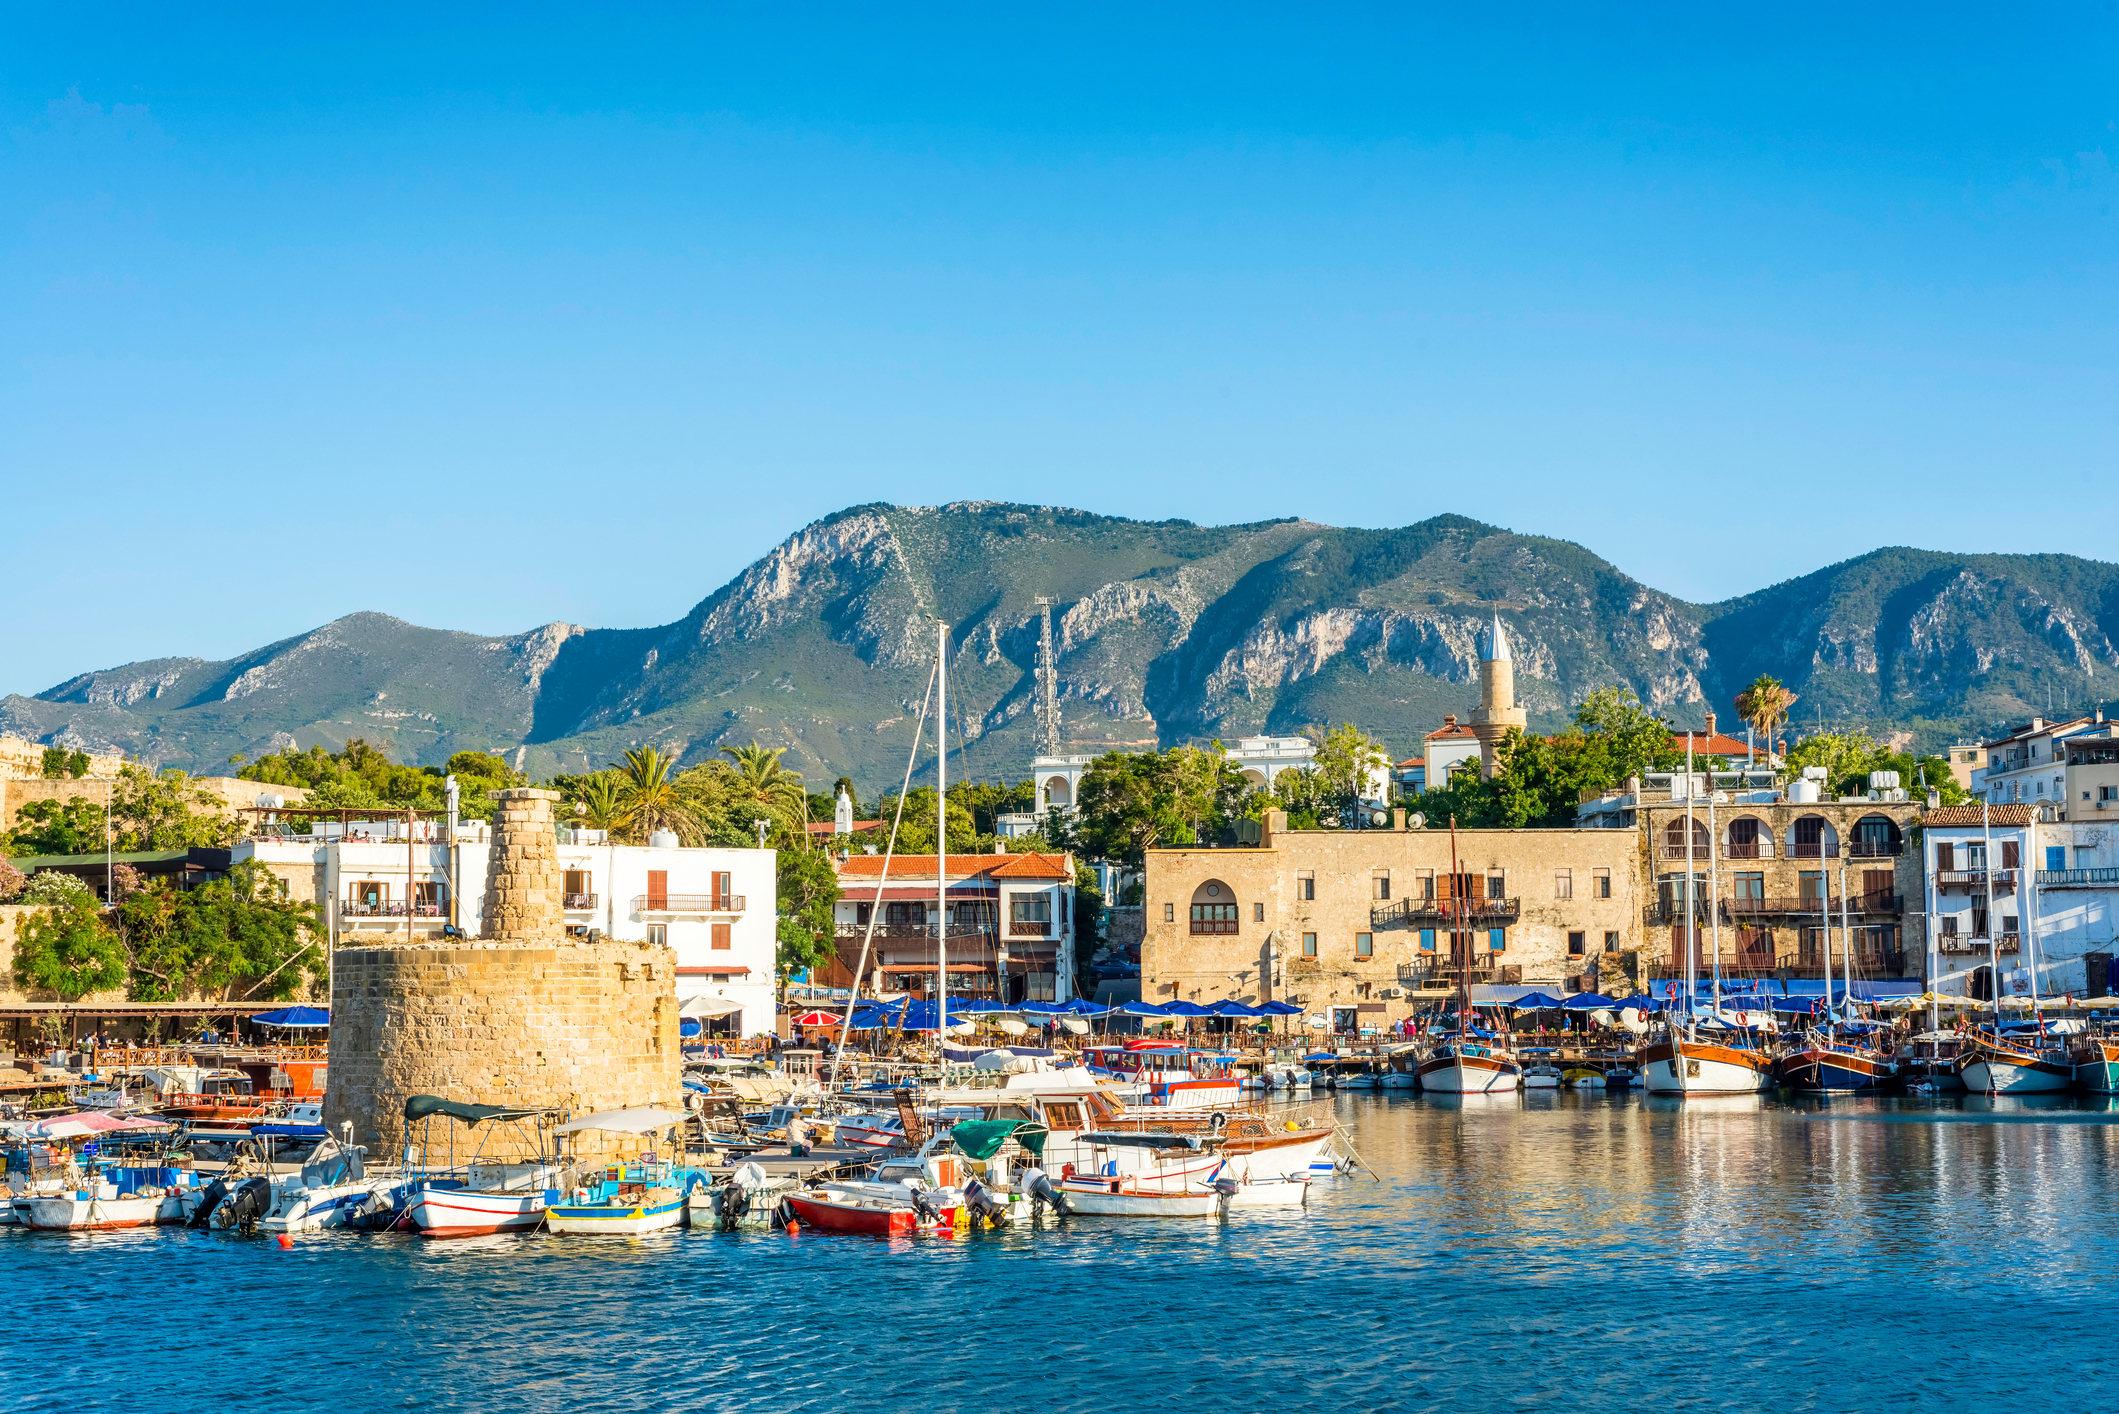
{"points": [[286, 1242], [793, 1228]]}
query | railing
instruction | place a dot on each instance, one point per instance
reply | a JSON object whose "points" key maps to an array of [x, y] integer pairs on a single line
{"points": [[1803, 904], [581, 901], [1700, 853], [687, 903], [1042, 928], [1972, 942], [1213, 925], [1757, 849], [388, 910], [1815, 849], [909, 930], [1875, 849], [1673, 911], [1442, 912], [2075, 878], [2003, 880]]}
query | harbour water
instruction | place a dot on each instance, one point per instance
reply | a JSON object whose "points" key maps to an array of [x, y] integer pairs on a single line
{"points": [[1518, 1251]]}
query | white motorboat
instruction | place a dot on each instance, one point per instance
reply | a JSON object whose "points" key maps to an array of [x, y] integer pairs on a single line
{"points": [[746, 1198], [1268, 1193], [1128, 1198], [332, 1186], [1541, 1077]]}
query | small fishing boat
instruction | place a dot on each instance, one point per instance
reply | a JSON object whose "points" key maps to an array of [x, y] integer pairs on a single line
{"points": [[2019, 1063], [332, 1186], [1130, 1198], [1542, 1076], [1582, 1078], [628, 1197], [2096, 1060], [1621, 1077], [483, 1197], [864, 1215], [746, 1198]]}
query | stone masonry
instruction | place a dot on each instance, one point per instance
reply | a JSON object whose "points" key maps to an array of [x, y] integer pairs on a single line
{"points": [[524, 1016]]}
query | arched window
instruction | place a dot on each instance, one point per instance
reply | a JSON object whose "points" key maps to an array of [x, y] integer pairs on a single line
{"points": [[1056, 792], [1214, 908], [1876, 837], [1747, 838], [1674, 839], [1812, 837]]}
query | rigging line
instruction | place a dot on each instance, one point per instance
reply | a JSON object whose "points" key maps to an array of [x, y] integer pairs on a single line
{"points": [[890, 846]]}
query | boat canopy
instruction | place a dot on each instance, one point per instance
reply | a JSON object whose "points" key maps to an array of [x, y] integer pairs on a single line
{"points": [[420, 1106], [1142, 1141], [638, 1121], [981, 1139]]}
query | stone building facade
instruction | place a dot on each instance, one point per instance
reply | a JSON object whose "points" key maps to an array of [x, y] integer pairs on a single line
{"points": [[526, 1016], [1360, 926]]}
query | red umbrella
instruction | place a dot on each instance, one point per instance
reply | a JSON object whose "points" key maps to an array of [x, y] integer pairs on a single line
{"points": [[818, 1018]]}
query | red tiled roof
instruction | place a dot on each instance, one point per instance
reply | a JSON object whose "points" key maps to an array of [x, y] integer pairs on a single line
{"points": [[1969, 815], [1412, 761], [961, 866], [1458, 730], [825, 827], [1719, 744], [1032, 866]]}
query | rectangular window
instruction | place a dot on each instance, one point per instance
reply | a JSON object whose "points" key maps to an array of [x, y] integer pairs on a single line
{"points": [[2056, 856], [1603, 883], [1063, 1115], [1945, 858], [1036, 909], [2009, 852], [1258, 913], [1309, 945], [721, 939], [1979, 921], [1563, 883], [1381, 884], [1169, 913], [576, 881], [1213, 917], [2008, 922], [1497, 886], [658, 934], [861, 912], [1611, 942], [1427, 883], [2108, 792], [1364, 945], [1811, 884], [1427, 940], [1748, 884], [1577, 944], [1975, 856], [1305, 886], [1949, 925], [1497, 939], [427, 896]]}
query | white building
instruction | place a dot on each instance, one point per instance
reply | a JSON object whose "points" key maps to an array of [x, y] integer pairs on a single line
{"points": [[716, 907], [1010, 933], [2029, 765], [2019, 887], [1262, 758]]}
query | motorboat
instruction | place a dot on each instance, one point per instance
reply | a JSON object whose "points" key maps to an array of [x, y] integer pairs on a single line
{"points": [[627, 1197], [1542, 1076], [830, 1211], [1116, 1197], [333, 1185], [1621, 1077], [1582, 1078], [748, 1197]]}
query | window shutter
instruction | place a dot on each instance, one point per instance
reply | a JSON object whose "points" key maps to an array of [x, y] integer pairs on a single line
{"points": [[2009, 855], [658, 888], [721, 939], [1945, 858]]}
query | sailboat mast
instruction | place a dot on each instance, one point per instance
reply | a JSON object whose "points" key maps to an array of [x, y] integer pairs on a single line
{"points": [[1714, 892], [1846, 941], [1692, 898], [941, 831], [1824, 886], [1458, 938], [1986, 879]]}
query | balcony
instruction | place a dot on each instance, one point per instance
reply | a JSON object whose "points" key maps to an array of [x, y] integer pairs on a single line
{"points": [[1042, 928], [1672, 911], [580, 902], [2076, 878], [389, 910], [1972, 880], [1799, 904], [1814, 849], [687, 903], [924, 931], [1442, 912], [1874, 849], [1755, 849]]}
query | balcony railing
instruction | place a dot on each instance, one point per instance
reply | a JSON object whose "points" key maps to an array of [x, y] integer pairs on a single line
{"points": [[1042, 928], [1442, 912], [2004, 880], [580, 901], [1673, 911], [687, 903], [1803, 904], [1967, 942], [1815, 849], [2076, 878], [858, 931], [388, 910], [1875, 849], [1756, 849]]}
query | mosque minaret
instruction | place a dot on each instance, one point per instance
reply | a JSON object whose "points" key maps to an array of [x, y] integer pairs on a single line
{"points": [[1497, 710]]}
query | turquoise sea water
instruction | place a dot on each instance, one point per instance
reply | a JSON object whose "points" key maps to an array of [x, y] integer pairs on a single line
{"points": [[1554, 1251]]}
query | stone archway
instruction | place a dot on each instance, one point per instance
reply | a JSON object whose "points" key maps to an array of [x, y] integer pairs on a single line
{"points": [[1057, 793], [1214, 908]]}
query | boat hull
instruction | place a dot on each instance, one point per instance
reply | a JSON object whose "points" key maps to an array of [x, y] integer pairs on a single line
{"points": [[1817, 1069], [459, 1212], [1701, 1068], [70, 1212], [1098, 1200], [1991, 1072], [1458, 1073], [862, 1219], [615, 1219]]}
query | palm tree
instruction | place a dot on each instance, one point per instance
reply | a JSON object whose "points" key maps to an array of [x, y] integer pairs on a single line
{"points": [[603, 802], [1765, 706], [647, 794], [765, 784]]}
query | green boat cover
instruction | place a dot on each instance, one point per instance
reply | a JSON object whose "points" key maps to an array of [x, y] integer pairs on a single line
{"points": [[982, 1138], [420, 1106]]}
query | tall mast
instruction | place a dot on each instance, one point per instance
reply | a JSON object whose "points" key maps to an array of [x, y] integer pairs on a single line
{"points": [[941, 829], [1824, 886], [1458, 937], [1986, 879], [1692, 922], [1714, 891], [1846, 941]]}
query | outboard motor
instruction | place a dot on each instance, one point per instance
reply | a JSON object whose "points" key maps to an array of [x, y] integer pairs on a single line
{"points": [[245, 1206], [208, 1201], [739, 1195], [982, 1206], [1041, 1191]]}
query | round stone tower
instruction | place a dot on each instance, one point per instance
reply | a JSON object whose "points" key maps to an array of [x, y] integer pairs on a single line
{"points": [[1497, 710], [524, 1016]]}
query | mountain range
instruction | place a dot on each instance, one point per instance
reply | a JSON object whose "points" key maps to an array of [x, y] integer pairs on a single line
{"points": [[1165, 631]]}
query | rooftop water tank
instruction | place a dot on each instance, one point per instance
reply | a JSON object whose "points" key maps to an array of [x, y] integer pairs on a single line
{"points": [[1804, 791], [271, 802], [1883, 780], [662, 839]]}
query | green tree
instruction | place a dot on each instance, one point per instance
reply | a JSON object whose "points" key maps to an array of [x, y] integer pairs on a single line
{"points": [[602, 801], [808, 889], [66, 950], [1347, 758], [54, 763], [916, 834], [650, 797], [166, 812], [1128, 806], [234, 936], [1632, 741], [1845, 756], [1765, 706], [766, 787], [75, 826]]}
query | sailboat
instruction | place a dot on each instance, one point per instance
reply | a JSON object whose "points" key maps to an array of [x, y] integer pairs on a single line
{"points": [[1680, 1061], [1993, 1063], [1837, 1055], [1466, 1063]]}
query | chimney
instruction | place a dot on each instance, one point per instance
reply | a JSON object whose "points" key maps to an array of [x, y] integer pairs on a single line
{"points": [[1710, 723], [1449, 720]]}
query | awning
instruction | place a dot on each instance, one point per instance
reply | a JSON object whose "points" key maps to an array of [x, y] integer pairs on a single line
{"points": [[638, 1121], [420, 1106], [301, 1016], [1141, 1141], [981, 1139]]}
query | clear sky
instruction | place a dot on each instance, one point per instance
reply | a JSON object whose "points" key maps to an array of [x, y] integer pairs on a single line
{"points": [[551, 314]]}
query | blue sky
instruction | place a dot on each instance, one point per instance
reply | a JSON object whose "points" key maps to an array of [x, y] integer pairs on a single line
{"points": [[299, 317]]}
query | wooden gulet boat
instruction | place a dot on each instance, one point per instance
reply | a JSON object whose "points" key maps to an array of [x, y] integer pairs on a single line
{"points": [[1464, 1064], [2096, 1061]]}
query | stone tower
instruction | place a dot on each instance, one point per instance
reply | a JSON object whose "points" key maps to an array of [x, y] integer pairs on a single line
{"points": [[1497, 710], [524, 1016]]}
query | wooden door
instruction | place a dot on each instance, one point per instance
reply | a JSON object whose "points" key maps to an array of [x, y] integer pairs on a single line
{"points": [[658, 889]]}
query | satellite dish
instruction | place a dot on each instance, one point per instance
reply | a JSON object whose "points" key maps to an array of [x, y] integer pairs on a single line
{"points": [[1416, 821]]}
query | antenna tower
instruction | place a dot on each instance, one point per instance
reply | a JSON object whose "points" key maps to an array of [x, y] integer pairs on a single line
{"points": [[1047, 683]]}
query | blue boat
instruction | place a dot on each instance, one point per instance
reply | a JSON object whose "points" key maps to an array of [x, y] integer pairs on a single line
{"points": [[628, 1196]]}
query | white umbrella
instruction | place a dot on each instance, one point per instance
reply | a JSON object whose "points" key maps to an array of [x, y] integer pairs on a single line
{"points": [[706, 1006]]}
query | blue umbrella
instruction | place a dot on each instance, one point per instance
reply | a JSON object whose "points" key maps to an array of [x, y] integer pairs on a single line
{"points": [[1534, 1001], [1232, 1007], [1279, 1009], [294, 1016], [1141, 1009], [1185, 1009], [1587, 1001]]}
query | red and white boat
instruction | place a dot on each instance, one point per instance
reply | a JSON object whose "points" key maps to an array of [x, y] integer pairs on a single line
{"points": [[872, 1217], [506, 1206], [1169, 1076]]}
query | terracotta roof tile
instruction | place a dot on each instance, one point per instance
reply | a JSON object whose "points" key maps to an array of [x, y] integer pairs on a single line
{"points": [[1032, 866], [1969, 815], [1719, 744]]}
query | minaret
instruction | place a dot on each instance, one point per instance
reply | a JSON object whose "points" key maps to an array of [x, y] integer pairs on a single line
{"points": [[842, 814], [1497, 710]]}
